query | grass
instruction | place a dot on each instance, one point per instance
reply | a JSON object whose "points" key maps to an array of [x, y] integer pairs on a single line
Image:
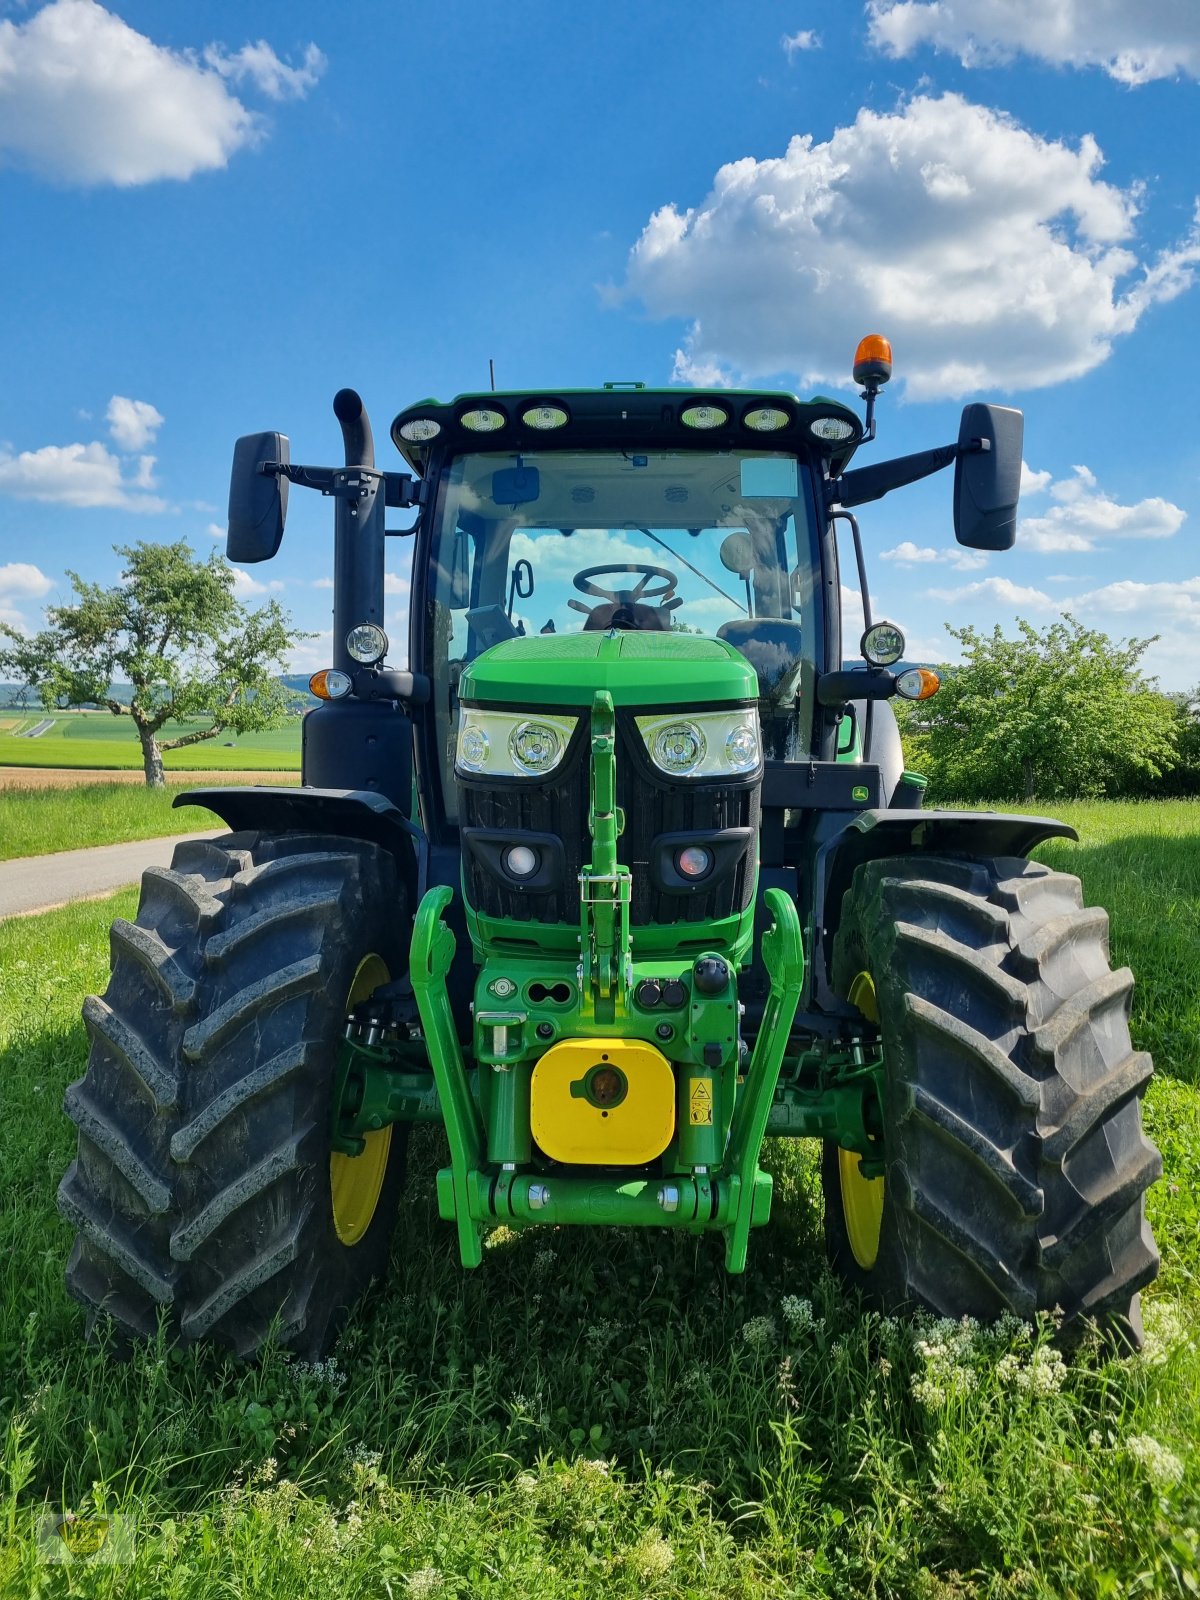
{"points": [[609, 1414], [98, 739], [38, 821]]}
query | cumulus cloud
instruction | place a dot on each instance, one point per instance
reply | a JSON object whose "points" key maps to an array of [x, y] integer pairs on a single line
{"points": [[85, 98], [21, 582], [794, 43], [990, 256], [1084, 516], [79, 475], [246, 587], [132, 423], [1000, 590], [908, 554], [1132, 43]]}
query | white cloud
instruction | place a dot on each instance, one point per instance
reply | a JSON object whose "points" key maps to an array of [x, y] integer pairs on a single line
{"points": [[322, 583], [793, 43], [132, 423], [1084, 516], [907, 554], [393, 583], [85, 98], [1033, 482], [258, 64], [1000, 590], [1008, 261], [21, 582], [78, 475], [216, 530], [1132, 43], [244, 586], [310, 655]]}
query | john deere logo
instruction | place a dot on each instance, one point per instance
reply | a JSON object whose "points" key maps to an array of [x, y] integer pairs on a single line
{"points": [[75, 1538], [84, 1536], [860, 793]]}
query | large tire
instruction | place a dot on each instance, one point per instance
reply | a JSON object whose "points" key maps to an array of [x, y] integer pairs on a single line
{"points": [[202, 1186], [1016, 1166]]}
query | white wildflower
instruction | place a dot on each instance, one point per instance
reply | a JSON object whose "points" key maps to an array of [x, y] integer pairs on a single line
{"points": [[526, 1482], [601, 1333], [798, 1314], [759, 1332], [424, 1582], [652, 1556], [1161, 1466]]}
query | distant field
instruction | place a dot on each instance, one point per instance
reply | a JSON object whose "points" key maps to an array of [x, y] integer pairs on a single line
{"points": [[98, 739]]}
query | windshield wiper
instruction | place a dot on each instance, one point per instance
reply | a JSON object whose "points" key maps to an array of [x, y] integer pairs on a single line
{"points": [[704, 578]]}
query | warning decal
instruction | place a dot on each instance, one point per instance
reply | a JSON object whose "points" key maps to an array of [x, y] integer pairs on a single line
{"points": [[700, 1103]]}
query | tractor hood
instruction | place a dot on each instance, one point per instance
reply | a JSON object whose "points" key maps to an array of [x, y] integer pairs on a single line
{"points": [[637, 669]]}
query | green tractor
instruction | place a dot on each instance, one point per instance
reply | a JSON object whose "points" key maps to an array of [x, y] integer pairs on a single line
{"points": [[622, 874]]}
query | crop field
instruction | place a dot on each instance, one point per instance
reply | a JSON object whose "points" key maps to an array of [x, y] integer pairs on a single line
{"points": [[601, 1413], [98, 739]]}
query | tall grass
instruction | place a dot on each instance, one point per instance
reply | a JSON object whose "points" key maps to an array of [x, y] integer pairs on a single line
{"points": [[604, 1413]]}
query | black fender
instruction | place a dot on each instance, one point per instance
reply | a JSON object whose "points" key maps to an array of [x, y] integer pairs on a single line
{"points": [[847, 839], [347, 813]]}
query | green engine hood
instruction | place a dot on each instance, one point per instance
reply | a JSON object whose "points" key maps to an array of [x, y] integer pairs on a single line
{"points": [[637, 669]]}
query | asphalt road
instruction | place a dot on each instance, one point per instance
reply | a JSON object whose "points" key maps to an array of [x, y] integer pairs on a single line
{"points": [[39, 883]]}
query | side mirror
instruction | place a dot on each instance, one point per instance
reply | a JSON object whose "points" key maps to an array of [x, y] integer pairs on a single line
{"points": [[987, 481], [257, 502]]}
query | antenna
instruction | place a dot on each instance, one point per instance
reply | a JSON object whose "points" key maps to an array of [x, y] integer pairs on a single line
{"points": [[492, 373]]}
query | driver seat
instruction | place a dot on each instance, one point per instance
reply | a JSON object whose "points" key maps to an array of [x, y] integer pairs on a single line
{"points": [[630, 615]]}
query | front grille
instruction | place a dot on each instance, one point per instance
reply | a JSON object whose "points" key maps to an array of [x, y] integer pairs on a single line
{"points": [[652, 806]]}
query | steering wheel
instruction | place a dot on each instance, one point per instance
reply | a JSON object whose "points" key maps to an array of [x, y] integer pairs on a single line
{"points": [[583, 582]]}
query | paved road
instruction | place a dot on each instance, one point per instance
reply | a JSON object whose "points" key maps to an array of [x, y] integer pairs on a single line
{"points": [[37, 883]]}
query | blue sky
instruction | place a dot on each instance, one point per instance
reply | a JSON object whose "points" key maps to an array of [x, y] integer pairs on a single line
{"points": [[212, 217]]}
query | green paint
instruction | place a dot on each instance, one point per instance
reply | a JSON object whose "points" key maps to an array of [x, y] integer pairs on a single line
{"points": [[635, 669]]}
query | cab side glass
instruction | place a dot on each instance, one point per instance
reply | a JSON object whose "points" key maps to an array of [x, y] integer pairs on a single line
{"points": [[987, 482], [257, 502]]}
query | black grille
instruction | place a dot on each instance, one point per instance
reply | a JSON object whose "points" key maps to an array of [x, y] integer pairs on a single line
{"points": [[652, 807]]}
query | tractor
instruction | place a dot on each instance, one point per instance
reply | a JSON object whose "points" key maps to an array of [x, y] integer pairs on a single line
{"points": [[621, 874]]}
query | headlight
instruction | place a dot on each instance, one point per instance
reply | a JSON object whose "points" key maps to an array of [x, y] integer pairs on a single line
{"points": [[498, 745], [705, 744], [882, 644], [367, 643]]}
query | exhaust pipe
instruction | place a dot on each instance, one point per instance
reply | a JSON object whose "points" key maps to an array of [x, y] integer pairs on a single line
{"points": [[358, 547]]}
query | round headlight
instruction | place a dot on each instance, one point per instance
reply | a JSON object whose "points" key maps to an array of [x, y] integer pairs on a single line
{"points": [[545, 417], [367, 643], [483, 420], [834, 430], [534, 746], [679, 747], [741, 749], [766, 419], [420, 430], [882, 644], [704, 417], [473, 748], [694, 861], [521, 861]]}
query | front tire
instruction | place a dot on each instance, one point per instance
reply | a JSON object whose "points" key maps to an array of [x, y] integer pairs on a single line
{"points": [[1016, 1167], [204, 1186]]}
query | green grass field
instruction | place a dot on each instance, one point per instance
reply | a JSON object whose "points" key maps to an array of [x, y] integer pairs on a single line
{"points": [[597, 1414], [39, 821], [98, 739]]}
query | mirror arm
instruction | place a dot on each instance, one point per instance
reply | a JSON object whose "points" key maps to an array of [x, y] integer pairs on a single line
{"points": [[855, 488], [400, 488]]}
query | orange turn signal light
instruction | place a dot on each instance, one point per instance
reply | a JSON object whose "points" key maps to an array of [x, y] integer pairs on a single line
{"points": [[330, 684], [918, 683], [873, 360]]}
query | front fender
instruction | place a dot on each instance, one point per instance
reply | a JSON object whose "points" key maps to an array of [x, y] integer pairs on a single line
{"points": [[346, 813], [868, 835]]}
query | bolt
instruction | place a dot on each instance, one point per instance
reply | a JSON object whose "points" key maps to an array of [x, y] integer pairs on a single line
{"points": [[665, 1030], [545, 1030], [539, 1196], [668, 1197], [503, 987]]}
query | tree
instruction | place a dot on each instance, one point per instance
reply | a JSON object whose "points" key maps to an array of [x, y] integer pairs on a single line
{"points": [[1061, 712], [172, 630]]}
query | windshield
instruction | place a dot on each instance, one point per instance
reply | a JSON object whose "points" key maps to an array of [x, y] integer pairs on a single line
{"points": [[556, 541]]}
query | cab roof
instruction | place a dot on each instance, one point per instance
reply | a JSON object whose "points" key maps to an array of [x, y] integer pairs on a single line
{"points": [[626, 414]]}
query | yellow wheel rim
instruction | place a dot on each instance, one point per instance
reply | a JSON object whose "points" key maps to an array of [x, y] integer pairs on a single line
{"points": [[862, 1198], [355, 1182]]}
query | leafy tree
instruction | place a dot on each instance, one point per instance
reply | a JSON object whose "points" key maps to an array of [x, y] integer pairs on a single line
{"points": [[173, 631], [1058, 712]]}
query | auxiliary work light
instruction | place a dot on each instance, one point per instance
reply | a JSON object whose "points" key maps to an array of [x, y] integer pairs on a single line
{"points": [[545, 417], [882, 644], [367, 643], [832, 430], [483, 420], [766, 419], [704, 417], [420, 430]]}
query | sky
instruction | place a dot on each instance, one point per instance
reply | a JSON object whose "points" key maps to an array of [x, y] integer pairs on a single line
{"points": [[214, 216]]}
